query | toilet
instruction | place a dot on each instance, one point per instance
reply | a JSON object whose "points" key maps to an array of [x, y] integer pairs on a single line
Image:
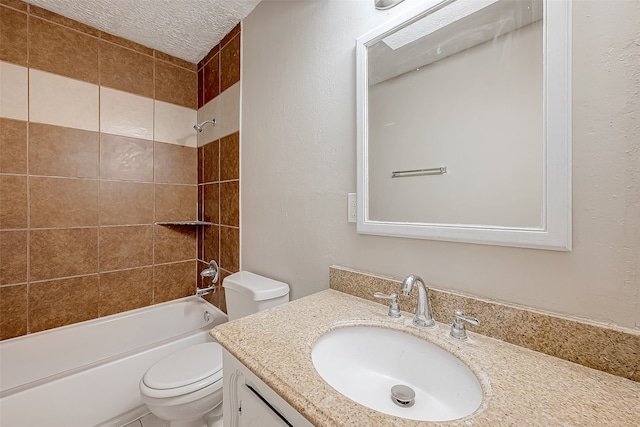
{"points": [[185, 387]]}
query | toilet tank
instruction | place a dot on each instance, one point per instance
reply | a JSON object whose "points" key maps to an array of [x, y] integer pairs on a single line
{"points": [[247, 293]]}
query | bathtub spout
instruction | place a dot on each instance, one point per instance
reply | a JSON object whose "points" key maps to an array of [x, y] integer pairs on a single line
{"points": [[200, 292]]}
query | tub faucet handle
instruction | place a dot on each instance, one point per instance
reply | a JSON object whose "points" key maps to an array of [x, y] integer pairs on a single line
{"points": [[458, 330], [394, 311], [211, 271]]}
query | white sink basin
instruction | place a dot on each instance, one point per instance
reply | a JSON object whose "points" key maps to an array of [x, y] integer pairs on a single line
{"points": [[364, 363]]}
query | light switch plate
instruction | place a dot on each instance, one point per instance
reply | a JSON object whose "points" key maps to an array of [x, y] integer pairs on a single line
{"points": [[352, 207]]}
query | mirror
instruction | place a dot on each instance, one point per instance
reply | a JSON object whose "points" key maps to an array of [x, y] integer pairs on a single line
{"points": [[464, 124]]}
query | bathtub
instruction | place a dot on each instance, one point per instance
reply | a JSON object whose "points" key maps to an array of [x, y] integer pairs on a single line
{"points": [[87, 374]]}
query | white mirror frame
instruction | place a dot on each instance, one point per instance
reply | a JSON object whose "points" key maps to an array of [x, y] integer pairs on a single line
{"points": [[555, 232]]}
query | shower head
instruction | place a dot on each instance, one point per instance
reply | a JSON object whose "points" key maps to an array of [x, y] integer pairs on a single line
{"points": [[199, 127]]}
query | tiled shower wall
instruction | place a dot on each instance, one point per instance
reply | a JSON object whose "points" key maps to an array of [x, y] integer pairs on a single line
{"points": [[96, 145], [219, 159]]}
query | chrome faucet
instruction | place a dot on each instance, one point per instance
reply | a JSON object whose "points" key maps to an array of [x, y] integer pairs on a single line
{"points": [[424, 315]]}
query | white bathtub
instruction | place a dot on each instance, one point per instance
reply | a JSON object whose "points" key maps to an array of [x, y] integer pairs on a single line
{"points": [[87, 374]]}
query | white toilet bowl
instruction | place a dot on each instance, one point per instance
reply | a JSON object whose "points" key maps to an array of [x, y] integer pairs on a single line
{"points": [[185, 388]]}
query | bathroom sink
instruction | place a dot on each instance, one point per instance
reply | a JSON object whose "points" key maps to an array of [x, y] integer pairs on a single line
{"points": [[364, 363]]}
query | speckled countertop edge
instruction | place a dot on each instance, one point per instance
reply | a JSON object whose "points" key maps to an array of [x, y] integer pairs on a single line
{"points": [[520, 386]]}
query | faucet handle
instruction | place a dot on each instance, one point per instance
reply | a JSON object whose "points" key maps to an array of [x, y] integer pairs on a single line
{"points": [[458, 330], [394, 311]]}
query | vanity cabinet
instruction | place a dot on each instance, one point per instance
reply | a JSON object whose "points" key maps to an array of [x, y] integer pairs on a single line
{"points": [[249, 402]]}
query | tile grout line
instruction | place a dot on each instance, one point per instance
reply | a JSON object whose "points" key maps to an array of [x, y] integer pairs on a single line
{"points": [[140, 267], [219, 193], [28, 125], [99, 173], [14, 9], [240, 41], [153, 168]]}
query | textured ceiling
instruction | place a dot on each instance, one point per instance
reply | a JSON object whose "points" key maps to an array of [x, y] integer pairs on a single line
{"points": [[187, 29]]}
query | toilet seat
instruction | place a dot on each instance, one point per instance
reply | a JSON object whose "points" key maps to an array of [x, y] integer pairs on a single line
{"points": [[184, 371]]}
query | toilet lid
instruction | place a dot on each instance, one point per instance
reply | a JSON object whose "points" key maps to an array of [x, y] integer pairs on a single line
{"points": [[187, 366]]}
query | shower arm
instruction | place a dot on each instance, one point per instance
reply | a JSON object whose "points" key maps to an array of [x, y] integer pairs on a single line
{"points": [[198, 127]]}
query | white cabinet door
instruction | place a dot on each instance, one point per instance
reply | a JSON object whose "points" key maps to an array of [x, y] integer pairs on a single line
{"points": [[255, 412], [249, 402]]}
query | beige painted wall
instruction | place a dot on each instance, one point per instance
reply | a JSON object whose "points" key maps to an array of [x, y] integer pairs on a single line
{"points": [[298, 164]]}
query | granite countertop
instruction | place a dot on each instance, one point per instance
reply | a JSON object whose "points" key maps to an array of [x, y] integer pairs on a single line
{"points": [[521, 387]]}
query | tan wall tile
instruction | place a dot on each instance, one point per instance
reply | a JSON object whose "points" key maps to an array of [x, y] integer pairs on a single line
{"points": [[14, 87], [62, 51], [62, 302], [125, 247], [222, 300], [230, 35], [13, 146], [13, 257], [125, 158], [230, 249], [175, 164], [174, 243], [211, 244], [230, 64], [229, 110], [125, 290], [211, 199], [123, 203], [13, 36], [200, 202], [16, 4], [210, 110], [176, 202], [211, 162], [126, 114], [63, 253], [209, 56], [230, 203], [63, 202], [223, 295], [67, 109], [126, 70], [200, 242], [13, 201], [211, 78], [13, 311], [176, 61], [176, 85], [200, 164], [126, 43], [230, 157], [63, 20], [200, 87], [62, 101], [174, 124], [172, 281], [62, 151]]}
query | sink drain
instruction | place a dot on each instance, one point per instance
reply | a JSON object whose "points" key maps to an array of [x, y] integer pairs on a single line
{"points": [[403, 395]]}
